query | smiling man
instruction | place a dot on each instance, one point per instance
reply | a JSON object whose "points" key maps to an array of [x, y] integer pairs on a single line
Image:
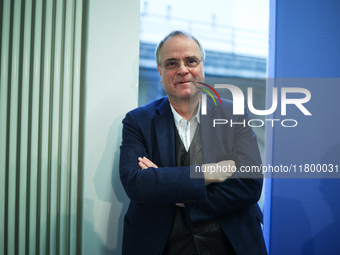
{"points": [[179, 61], [171, 210]]}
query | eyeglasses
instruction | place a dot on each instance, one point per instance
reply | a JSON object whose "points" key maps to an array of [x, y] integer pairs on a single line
{"points": [[190, 62]]}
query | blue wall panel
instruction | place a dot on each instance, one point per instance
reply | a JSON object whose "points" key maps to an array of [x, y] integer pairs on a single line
{"points": [[305, 213]]}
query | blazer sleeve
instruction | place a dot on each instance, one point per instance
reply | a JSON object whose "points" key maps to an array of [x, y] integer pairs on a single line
{"points": [[238, 191], [153, 186]]}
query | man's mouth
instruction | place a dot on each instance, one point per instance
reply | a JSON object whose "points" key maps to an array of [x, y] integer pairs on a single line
{"points": [[183, 82]]}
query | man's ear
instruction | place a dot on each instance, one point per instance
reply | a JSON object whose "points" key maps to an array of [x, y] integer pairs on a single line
{"points": [[159, 71]]}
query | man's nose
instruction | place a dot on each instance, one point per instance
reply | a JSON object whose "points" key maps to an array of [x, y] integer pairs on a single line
{"points": [[182, 69]]}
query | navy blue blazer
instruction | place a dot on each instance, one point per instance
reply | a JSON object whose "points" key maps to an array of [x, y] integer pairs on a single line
{"points": [[149, 131]]}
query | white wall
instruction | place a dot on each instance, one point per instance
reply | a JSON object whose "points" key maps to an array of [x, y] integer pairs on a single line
{"points": [[112, 90]]}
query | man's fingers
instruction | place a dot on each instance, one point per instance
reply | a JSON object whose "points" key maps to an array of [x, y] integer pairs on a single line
{"points": [[145, 163], [180, 204], [227, 163], [220, 171], [142, 165]]}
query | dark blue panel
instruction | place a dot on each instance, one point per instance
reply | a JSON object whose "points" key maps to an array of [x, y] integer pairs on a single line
{"points": [[305, 213], [308, 38]]}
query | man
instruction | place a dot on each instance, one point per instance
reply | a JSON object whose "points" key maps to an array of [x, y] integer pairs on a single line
{"points": [[174, 210]]}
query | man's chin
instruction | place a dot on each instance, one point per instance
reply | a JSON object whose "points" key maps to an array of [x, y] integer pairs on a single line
{"points": [[188, 94], [192, 95]]}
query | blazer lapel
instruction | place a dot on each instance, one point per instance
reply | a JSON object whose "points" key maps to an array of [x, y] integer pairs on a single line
{"points": [[164, 126], [208, 134]]}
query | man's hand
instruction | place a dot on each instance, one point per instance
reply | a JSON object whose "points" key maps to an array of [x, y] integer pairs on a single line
{"points": [[209, 176], [222, 171], [144, 163]]}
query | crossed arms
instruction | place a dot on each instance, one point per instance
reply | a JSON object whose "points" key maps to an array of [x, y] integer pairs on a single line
{"points": [[209, 177], [147, 181]]}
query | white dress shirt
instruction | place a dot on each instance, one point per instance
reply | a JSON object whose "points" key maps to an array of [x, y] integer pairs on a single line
{"points": [[186, 129]]}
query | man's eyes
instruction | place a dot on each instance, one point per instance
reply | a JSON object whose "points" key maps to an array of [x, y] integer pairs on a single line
{"points": [[189, 62], [171, 63], [192, 62]]}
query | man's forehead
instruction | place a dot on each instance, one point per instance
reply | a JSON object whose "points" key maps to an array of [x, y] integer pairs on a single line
{"points": [[179, 45]]}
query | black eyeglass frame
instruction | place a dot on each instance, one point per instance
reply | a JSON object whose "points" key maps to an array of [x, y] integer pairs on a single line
{"points": [[176, 64]]}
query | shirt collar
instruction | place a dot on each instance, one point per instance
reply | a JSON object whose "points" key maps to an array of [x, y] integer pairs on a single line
{"points": [[178, 118]]}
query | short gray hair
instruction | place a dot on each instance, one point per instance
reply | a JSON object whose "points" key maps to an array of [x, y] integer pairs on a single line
{"points": [[173, 34]]}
